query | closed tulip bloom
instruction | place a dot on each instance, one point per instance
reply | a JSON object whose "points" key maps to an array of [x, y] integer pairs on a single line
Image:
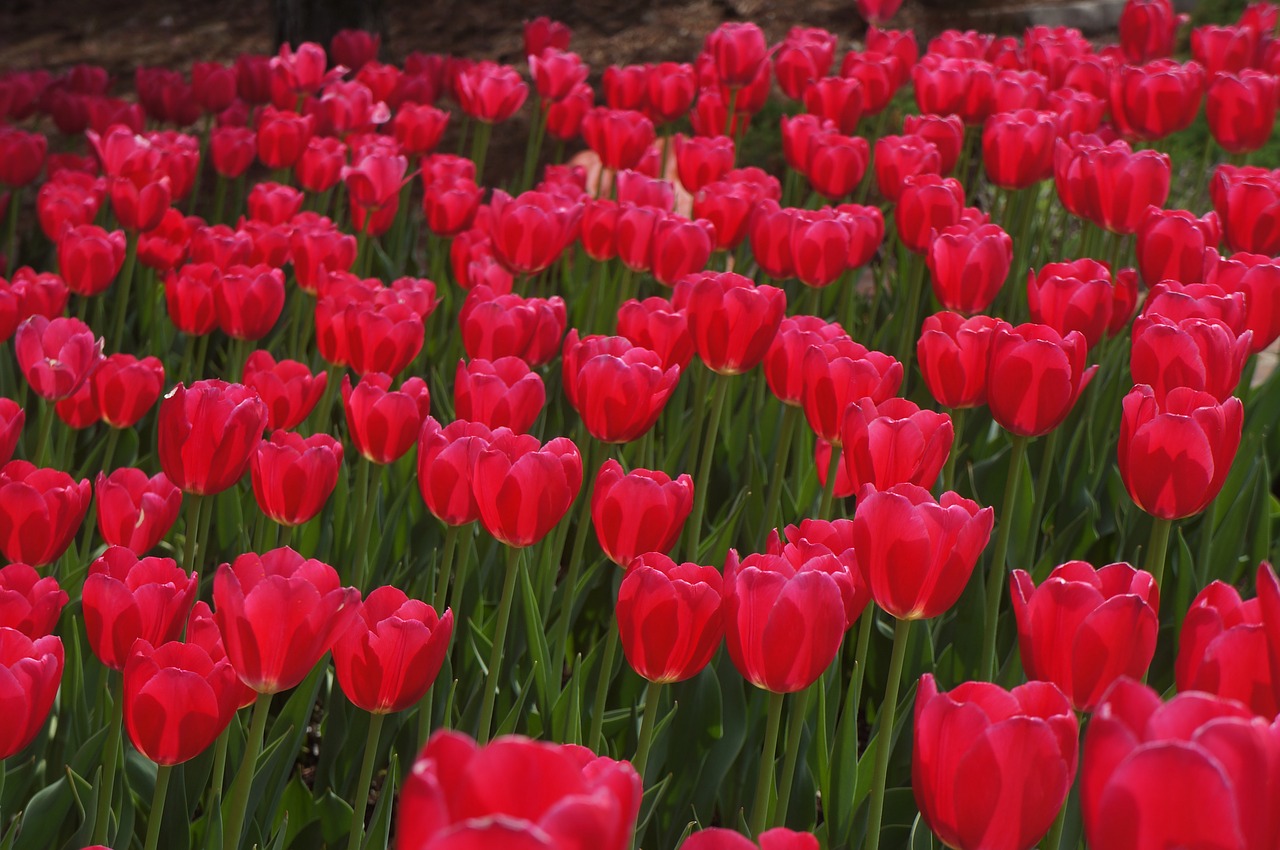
{"points": [[1222, 649], [383, 337], [784, 362], [177, 700], [282, 137], [23, 155], [1076, 296], [820, 249], [670, 617], [28, 603], [1197, 300], [953, 353], [732, 320], [968, 265], [1241, 110], [1034, 377], [1078, 111], [639, 512], [125, 388], [991, 768], [1257, 276], [418, 127], [778, 838], [786, 614], [670, 88], [294, 476], [446, 466], [1157, 99], [916, 554], [1083, 628], [279, 614], [836, 99], [135, 512], [127, 599], [1269, 600], [12, 418], [542, 32], [617, 388], [392, 651], [1172, 245], [496, 326], [249, 300], [524, 488], [737, 51], [503, 393], [1247, 201], [928, 203], [836, 163], [203, 631], [30, 673], [1017, 147], [319, 166], [900, 157], [556, 72], [771, 228], [944, 132], [894, 442], [1174, 456], [680, 247], [287, 387], [232, 150], [1225, 49], [1197, 771], [880, 74], [530, 231], [839, 373], [490, 92], [702, 159], [274, 203], [1110, 185], [619, 136], [384, 422], [459, 794], [40, 511], [1203, 354], [189, 297], [89, 258], [1148, 29], [656, 325], [207, 433], [56, 356]]}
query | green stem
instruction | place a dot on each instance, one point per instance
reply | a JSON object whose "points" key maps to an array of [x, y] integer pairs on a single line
{"points": [[155, 818], [795, 730], [219, 199], [602, 683], [124, 284], [888, 712], [102, 818], [648, 720], [365, 499], [446, 566], [791, 417], [45, 424], [1053, 841], [1158, 547], [561, 643], [361, 801], [703, 482], [957, 446], [998, 566], [192, 531], [860, 662], [239, 796], [829, 489], [764, 779], [1042, 482], [533, 150], [219, 769], [499, 638]]}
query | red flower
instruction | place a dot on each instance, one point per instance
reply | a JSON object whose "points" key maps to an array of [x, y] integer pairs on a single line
{"points": [[1080, 296], [392, 651], [206, 434], [1017, 147], [384, 422], [1034, 377], [836, 163], [177, 700], [732, 320], [880, 74], [968, 265], [134, 511], [640, 512], [778, 838], [617, 388], [249, 300], [928, 204], [232, 149], [293, 477], [490, 92], [282, 137], [893, 442], [22, 156], [1083, 628], [1257, 276], [418, 127], [542, 32], [189, 296], [1110, 184], [1203, 354], [1148, 29], [446, 466], [12, 418], [945, 132], [670, 617], [40, 511], [503, 393], [1155, 100], [1172, 244], [89, 258], [30, 673], [382, 337], [680, 247], [1241, 110], [56, 356], [278, 614], [524, 488], [804, 56], [287, 387], [654, 324], [530, 231], [28, 603], [839, 373], [784, 362], [953, 353], [1197, 300], [495, 326], [820, 249], [127, 599], [900, 157], [738, 50], [125, 388], [981, 753], [836, 99], [669, 91], [1247, 201]]}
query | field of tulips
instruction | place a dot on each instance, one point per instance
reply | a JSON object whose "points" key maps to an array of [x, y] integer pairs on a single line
{"points": [[812, 446]]}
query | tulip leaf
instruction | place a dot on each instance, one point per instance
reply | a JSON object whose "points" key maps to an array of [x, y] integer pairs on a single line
{"points": [[536, 635], [921, 837], [508, 724], [378, 835], [45, 815]]}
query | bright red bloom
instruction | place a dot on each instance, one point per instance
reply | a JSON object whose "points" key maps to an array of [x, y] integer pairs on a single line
{"points": [[459, 794], [669, 91], [446, 464], [1222, 649], [294, 476], [927, 204], [524, 488], [28, 603], [1197, 771], [418, 127], [968, 265], [797, 130], [1241, 110], [893, 442], [1172, 244], [640, 512], [56, 356], [30, 673], [1225, 49], [1035, 376], [207, 433], [125, 388], [40, 511], [504, 393], [820, 249], [556, 72], [392, 652], [319, 166], [374, 181], [542, 32], [946, 133], [1017, 147], [626, 86], [732, 320], [654, 324], [1247, 201], [1083, 628], [134, 511], [79, 410], [952, 85], [317, 249], [1155, 100], [771, 228], [981, 753], [451, 206], [1080, 296], [249, 301], [89, 258], [1148, 29], [621, 137], [68, 199], [836, 99], [1203, 354], [880, 74], [836, 163], [784, 361], [804, 56], [278, 614], [839, 373], [900, 157], [127, 599], [531, 230], [383, 422], [287, 387], [22, 156], [1269, 600], [702, 159], [738, 50], [168, 244], [232, 150], [282, 137], [778, 838], [1197, 300], [1174, 455], [490, 92], [496, 326], [12, 418], [382, 337], [670, 617], [1110, 185]]}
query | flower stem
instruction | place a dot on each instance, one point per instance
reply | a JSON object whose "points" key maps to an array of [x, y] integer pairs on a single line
{"points": [[446, 566], [760, 807], [123, 286], [239, 796], [365, 499], [888, 711], [1053, 841], [499, 638], [156, 816], [829, 489], [949, 469], [703, 482], [795, 730], [1158, 547], [1042, 483], [192, 531], [786, 436], [602, 683], [111, 758], [560, 644], [647, 721], [366, 779], [998, 566]]}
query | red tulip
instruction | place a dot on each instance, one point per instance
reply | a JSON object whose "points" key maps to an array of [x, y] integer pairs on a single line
{"points": [[418, 127], [804, 56], [354, 48], [836, 163], [917, 554], [135, 512], [446, 466], [249, 300], [207, 433], [1172, 244], [836, 99], [490, 92], [732, 320], [287, 387], [839, 373], [900, 157], [392, 651], [779, 838], [946, 133], [523, 488], [1257, 276], [820, 249], [12, 418], [893, 442], [730, 204], [1083, 628], [1197, 771], [654, 324], [542, 32], [384, 422], [56, 356], [127, 599], [499, 393], [79, 410], [618, 389], [928, 203], [189, 296], [670, 617], [737, 51], [1110, 185], [293, 477], [964, 86], [968, 265], [982, 754], [459, 794], [1197, 300], [274, 203], [874, 12], [1017, 147], [680, 248], [619, 136], [531, 230], [496, 326], [125, 388], [953, 353], [22, 155], [40, 511], [880, 74], [640, 512], [784, 362], [1223, 650], [319, 166], [669, 91], [1156, 100], [28, 603], [1034, 377], [89, 258], [1203, 354], [1148, 29], [177, 700], [1079, 296], [1241, 110], [30, 673], [232, 150]]}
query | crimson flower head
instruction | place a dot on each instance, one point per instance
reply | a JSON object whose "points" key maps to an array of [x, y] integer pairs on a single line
{"points": [[784, 362], [22, 154], [89, 258], [900, 157], [654, 324], [738, 50], [1017, 147], [446, 466], [542, 32], [618, 389], [639, 512], [40, 511], [1110, 185], [134, 511], [1080, 296], [522, 487], [928, 204], [249, 300], [495, 326], [621, 137], [490, 92], [1148, 29], [30, 673], [1203, 354], [1154, 100], [1241, 109], [1257, 277], [1083, 628], [383, 422], [1172, 245], [953, 353], [804, 56], [530, 231], [392, 651], [836, 163], [127, 598], [732, 320], [502, 393], [375, 179], [125, 388], [1034, 377], [287, 387], [12, 418], [1174, 456], [836, 99], [28, 603], [968, 265], [944, 132], [56, 356], [839, 373], [877, 11], [893, 442], [206, 434], [294, 476], [1017, 753], [1247, 200], [278, 614], [461, 794], [670, 617]]}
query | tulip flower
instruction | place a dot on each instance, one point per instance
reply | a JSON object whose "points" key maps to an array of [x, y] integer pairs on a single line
{"points": [[618, 389], [1034, 378], [836, 163], [177, 700], [40, 511], [1172, 245], [287, 387], [56, 356], [1247, 201], [1080, 296], [1241, 110], [968, 265], [953, 353], [89, 258], [207, 433], [523, 488], [503, 393], [670, 617], [1223, 649], [489, 92], [446, 467], [838, 374], [12, 418], [944, 132], [779, 838], [1257, 276], [294, 476], [1155, 100], [893, 442], [30, 673], [640, 512], [928, 203], [29, 604], [656, 325], [732, 320], [1148, 29], [1202, 354], [134, 511], [900, 157], [1017, 147], [126, 599], [124, 388]]}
